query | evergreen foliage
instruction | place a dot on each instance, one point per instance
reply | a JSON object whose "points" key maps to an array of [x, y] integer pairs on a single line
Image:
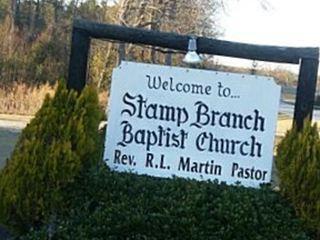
{"points": [[53, 149], [298, 163], [112, 205]]}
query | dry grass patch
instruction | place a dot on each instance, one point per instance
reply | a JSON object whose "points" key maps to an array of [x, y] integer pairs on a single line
{"points": [[22, 99]]}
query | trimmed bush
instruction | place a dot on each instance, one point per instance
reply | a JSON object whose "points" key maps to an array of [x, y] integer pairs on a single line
{"points": [[53, 149], [111, 205], [298, 163]]}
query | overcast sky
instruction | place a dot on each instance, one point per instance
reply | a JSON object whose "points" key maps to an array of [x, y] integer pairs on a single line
{"points": [[285, 22]]}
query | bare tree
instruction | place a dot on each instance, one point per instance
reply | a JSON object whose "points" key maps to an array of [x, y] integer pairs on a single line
{"points": [[196, 17]]}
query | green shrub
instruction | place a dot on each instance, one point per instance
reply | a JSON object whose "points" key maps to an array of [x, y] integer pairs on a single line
{"points": [[111, 205], [298, 163], [53, 149]]}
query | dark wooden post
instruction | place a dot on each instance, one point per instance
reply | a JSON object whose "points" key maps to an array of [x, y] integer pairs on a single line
{"points": [[78, 62], [307, 83]]}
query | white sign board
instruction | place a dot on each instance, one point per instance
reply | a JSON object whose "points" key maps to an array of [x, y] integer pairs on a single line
{"points": [[166, 121]]}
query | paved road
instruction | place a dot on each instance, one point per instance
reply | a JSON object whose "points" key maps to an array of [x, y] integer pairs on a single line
{"points": [[289, 109], [8, 138]]}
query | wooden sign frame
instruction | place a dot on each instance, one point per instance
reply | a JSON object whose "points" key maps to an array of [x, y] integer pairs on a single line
{"points": [[307, 58]]}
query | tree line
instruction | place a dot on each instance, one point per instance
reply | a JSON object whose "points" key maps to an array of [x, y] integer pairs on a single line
{"points": [[35, 35]]}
